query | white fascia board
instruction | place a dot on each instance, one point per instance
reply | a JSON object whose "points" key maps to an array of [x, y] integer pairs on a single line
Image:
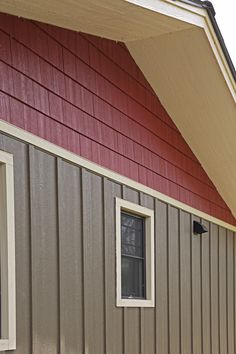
{"points": [[175, 9], [220, 57]]}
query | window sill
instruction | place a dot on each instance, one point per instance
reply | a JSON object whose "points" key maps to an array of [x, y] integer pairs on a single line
{"points": [[5, 344], [135, 303]]}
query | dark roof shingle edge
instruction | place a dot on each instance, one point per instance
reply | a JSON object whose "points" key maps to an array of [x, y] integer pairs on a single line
{"points": [[211, 12]]}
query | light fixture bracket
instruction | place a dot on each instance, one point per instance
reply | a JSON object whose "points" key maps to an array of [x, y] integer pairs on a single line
{"points": [[199, 228]]}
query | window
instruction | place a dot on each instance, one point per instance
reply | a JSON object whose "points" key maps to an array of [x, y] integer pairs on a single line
{"points": [[7, 254], [134, 255]]}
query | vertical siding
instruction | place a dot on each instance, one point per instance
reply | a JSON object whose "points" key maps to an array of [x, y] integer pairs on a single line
{"points": [[205, 296], [65, 256], [147, 316], [86, 94], [196, 293], [44, 253], [223, 291], [70, 258], [173, 277], [185, 283], [230, 292], [23, 244], [113, 314], [93, 265], [214, 274], [132, 328], [162, 287]]}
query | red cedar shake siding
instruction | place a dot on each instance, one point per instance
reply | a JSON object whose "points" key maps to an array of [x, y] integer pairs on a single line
{"points": [[87, 95]]}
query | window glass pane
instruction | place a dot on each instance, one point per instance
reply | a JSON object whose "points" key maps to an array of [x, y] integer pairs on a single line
{"points": [[133, 255], [132, 234], [132, 277]]}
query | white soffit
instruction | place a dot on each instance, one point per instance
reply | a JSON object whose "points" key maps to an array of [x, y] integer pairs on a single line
{"points": [[115, 19], [199, 95], [175, 46]]}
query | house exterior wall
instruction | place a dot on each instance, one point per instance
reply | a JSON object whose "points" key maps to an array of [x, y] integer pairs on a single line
{"points": [[65, 268], [87, 95]]}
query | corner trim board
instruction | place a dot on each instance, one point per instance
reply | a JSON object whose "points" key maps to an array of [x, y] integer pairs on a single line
{"points": [[7, 241], [45, 145]]}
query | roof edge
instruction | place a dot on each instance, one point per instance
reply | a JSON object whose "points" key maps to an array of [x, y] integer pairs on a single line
{"points": [[211, 12]]}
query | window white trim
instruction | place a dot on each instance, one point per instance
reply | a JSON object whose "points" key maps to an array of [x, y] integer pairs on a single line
{"points": [[148, 214], [7, 249]]}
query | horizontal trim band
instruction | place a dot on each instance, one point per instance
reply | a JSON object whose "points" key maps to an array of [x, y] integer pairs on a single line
{"points": [[67, 155]]}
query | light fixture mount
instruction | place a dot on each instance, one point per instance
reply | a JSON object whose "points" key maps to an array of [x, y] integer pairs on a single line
{"points": [[199, 228]]}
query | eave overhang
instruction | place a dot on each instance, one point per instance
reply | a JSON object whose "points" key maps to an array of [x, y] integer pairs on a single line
{"points": [[177, 47]]}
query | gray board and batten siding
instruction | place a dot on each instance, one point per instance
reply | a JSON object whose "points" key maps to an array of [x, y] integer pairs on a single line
{"points": [[65, 268]]}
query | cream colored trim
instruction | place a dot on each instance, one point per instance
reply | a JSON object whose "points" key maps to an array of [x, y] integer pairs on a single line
{"points": [[175, 9], [198, 17], [189, 7], [220, 57], [7, 239], [148, 214], [58, 151], [4, 344]]}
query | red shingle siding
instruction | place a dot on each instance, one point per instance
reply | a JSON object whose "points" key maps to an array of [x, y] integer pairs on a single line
{"points": [[87, 95]]}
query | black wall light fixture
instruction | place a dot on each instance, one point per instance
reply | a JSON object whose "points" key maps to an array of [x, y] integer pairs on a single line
{"points": [[199, 228]]}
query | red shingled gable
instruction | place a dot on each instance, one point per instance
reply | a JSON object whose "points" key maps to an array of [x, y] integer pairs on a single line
{"points": [[87, 95]]}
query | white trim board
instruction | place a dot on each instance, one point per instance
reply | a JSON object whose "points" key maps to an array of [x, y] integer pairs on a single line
{"points": [[195, 16], [175, 9], [23, 135], [148, 215], [7, 250]]}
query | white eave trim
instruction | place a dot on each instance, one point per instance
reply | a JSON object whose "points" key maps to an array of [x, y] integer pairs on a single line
{"points": [[23, 135], [197, 17], [175, 9]]}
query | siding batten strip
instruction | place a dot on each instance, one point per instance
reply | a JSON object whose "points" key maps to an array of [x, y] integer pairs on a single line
{"points": [[215, 289], [174, 311], [196, 293], [168, 274], [230, 293], [93, 265], [82, 259], [29, 154], [44, 255], [32, 226], [185, 282], [114, 315], [104, 264], [179, 279], [60, 342], [218, 292], [222, 290], [210, 289], [227, 293], [162, 282], [147, 314]]}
